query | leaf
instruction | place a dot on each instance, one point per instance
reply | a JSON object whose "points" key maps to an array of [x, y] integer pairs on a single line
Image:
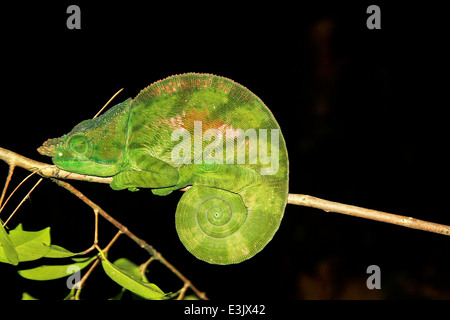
{"points": [[50, 272], [59, 252], [27, 296], [8, 253], [29, 245], [130, 268], [128, 280]]}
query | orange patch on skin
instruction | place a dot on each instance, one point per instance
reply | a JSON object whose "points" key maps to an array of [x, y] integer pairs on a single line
{"points": [[175, 123], [207, 123], [186, 121]]}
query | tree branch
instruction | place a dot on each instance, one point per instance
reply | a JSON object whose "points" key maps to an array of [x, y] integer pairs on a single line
{"points": [[330, 206], [45, 170]]}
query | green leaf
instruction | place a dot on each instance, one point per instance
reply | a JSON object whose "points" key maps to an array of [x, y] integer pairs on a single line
{"points": [[33, 245], [129, 280], [50, 272], [27, 296], [29, 245], [59, 252], [130, 268], [8, 253]]}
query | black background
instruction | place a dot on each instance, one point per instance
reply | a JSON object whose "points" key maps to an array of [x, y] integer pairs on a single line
{"points": [[363, 113]]}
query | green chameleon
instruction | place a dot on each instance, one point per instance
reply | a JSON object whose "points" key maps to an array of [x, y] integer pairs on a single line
{"points": [[197, 130]]}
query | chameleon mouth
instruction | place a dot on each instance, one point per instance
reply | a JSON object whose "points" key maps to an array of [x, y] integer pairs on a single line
{"points": [[49, 147]]}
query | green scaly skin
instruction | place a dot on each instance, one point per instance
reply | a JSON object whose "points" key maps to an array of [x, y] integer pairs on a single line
{"points": [[231, 211]]}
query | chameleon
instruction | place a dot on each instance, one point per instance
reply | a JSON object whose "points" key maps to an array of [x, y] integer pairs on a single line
{"points": [[202, 133]]}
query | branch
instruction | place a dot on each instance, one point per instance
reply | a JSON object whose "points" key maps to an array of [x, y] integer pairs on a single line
{"points": [[46, 170], [330, 206]]}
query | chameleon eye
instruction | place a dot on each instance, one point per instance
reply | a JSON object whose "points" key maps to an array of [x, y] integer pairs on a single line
{"points": [[79, 144]]}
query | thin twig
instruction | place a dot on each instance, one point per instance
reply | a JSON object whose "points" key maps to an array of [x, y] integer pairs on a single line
{"points": [[80, 285], [14, 191], [186, 281], [96, 227], [143, 267], [182, 292], [94, 245], [8, 180], [330, 206], [82, 282], [21, 202]]}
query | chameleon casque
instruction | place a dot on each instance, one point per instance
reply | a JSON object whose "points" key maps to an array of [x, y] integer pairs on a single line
{"points": [[192, 130]]}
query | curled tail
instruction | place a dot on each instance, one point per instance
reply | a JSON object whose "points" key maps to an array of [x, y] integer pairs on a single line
{"points": [[225, 227]]}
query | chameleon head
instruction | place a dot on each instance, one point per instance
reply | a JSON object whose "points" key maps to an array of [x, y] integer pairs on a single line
{"points": [[71, 152], [93, 147], [75, 152]]}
